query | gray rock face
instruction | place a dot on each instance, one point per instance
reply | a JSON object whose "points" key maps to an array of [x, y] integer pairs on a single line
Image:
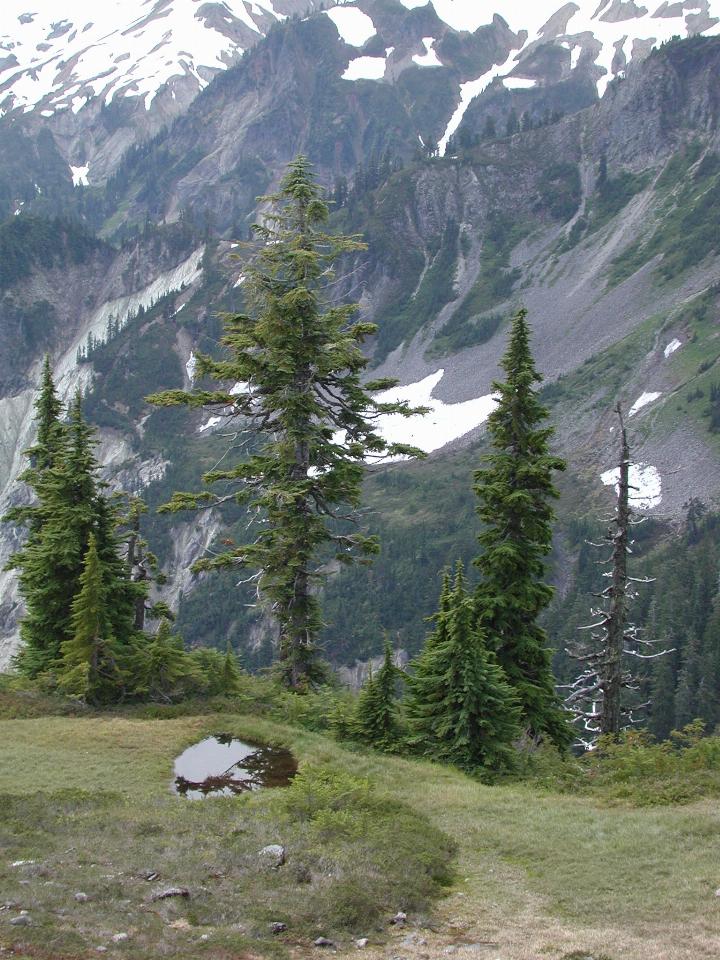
{"points": [[272, 856]]}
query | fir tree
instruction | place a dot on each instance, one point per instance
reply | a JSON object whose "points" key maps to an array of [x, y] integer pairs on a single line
{"points": [[515, 492], [376, 720], [460, 707], [300, 365], [165, 670], [90, 667], [230, 674], [71, 505]]}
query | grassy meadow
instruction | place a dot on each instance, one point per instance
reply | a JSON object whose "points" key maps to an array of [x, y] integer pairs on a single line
{"points": [[546, 866]]}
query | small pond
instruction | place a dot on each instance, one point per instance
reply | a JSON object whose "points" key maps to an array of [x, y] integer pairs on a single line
{"points": [[225, 766]]}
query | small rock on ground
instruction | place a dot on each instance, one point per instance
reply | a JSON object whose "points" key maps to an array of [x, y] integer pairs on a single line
{"points": [[23, 920], [323, 942], [120, 938], [399, 918], [278, 927], [273, 855], [81, 897], [169, 892], [362, 943]]}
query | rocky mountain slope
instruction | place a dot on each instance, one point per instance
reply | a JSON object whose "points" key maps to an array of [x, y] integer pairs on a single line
{"points": [[555, 161]]}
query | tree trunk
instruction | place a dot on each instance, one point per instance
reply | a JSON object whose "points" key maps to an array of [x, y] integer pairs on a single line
{"points": [[611, 717]]}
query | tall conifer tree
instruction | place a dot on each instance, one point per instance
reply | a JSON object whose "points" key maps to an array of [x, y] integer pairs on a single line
{"points": [[515, 492], [377, 721], [90, 656], [299, 365], [460, 707], [71, 505]]}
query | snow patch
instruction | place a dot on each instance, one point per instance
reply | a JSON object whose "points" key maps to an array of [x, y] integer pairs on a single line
{"points": [[672, 347], [209, 424], [518, 83], [645, 484], [80, 175], [444, 423], [365, 68], [354, 26], [429, 58], [642, 401]]}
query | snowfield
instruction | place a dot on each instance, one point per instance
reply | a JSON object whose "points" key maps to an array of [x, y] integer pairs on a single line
{"points": [[354, 26], [366, 68], [645, 485], [642, 401], [58, 54], [444, 423]]}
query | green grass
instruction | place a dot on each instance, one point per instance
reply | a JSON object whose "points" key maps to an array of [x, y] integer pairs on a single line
{"points": [[686, 232], [540, 870], [88, 801]]}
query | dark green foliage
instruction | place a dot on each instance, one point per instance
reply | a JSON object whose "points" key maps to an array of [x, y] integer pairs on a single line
{"points": [[434, 292], [163, 669], [614, 194], [496, 281], [28, 242], [313, 419], [376, 719], [460, 708], [687, 231], [90, 668], [515, 492], [71, 507], [561, 190]]}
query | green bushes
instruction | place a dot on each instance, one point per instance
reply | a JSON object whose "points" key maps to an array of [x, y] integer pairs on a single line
{"points": [[639, 770]]}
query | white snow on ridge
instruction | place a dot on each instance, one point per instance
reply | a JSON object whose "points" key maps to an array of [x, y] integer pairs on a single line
{"points": [[468, 92], [354, 26], [642, 401], [672, 347], [366, 68], [80, 175], [518, 83], [429, 58], [117, 45], [444, 423], [585, 29], [645, 484]]}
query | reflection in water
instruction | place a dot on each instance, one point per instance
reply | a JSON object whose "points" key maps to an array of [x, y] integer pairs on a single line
{"points": [[224, 766]]}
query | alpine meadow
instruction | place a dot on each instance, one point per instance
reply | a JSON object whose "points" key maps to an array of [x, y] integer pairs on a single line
{"points": [[360, 480]]}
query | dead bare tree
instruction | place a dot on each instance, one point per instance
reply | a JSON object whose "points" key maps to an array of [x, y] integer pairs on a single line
{"points": [[598, 698]]}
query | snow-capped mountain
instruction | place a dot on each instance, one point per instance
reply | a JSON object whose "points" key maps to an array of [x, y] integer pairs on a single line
{"points": [[59, 56]]}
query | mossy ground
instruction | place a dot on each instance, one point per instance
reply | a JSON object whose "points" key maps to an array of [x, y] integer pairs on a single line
{"points": [[538, 871]]}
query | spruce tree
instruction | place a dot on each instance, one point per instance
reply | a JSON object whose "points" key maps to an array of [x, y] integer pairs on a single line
{"points": [[90, 657], [292, 374], [164, 669], [377, 719], [460, 707], [515, 492], [230, 673], [71, 506]]}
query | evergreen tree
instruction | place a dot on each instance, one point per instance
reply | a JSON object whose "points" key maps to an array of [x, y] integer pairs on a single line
{"points": [[44, 452], [71, 505], [301, 367], [376, 720], [460, 707], [515, 491], [512, 125], [90, 666], [230, 674], [490, 128], [165, 670]]}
